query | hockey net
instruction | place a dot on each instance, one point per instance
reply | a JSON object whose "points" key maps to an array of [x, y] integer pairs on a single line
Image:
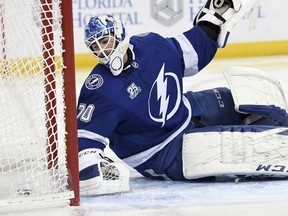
{"points": [[38, 141]]}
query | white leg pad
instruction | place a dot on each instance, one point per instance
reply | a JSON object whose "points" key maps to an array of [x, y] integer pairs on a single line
{"points": [[234, 153], [253, 86]]}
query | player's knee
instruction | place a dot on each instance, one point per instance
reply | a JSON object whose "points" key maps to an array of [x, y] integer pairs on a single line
{"points": [[213, 107]]}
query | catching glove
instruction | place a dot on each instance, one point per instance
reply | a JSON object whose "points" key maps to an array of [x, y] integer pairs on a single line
{"points": [[226, 14]]}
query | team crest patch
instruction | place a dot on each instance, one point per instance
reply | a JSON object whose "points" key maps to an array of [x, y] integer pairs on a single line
{"points": [[133, 90], [94, 81]]}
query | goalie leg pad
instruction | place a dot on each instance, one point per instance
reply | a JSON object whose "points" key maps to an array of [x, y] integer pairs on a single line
{"points": [[236, 151], [256, 92], [253, 86]]}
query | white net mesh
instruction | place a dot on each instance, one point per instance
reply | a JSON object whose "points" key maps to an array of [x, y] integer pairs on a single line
{"points": [[32, 124]]}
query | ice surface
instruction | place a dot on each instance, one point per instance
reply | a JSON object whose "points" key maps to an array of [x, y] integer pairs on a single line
{"points": [[151, 197]]}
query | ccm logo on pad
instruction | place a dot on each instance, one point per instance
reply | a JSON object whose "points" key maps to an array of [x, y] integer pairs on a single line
{"points": [[272, 168]]}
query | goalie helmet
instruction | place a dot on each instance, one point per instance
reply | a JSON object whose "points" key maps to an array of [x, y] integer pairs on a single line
{"points": [[106, 38]]}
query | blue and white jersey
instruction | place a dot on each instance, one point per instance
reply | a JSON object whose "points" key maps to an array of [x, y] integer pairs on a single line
{"points": [[140, 112]]}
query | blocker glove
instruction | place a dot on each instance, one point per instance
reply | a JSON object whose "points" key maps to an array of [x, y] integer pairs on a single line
{"points": [[92, 165], [100, 175]]}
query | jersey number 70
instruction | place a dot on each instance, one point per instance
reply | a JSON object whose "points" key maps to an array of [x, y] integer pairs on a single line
{"points": [[85, 112]]}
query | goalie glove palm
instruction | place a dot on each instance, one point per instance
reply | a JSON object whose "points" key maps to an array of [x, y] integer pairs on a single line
{"points": [[218, 12], [226, 14]]}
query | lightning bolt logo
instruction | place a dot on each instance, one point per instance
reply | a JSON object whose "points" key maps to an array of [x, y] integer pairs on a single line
{"points": [[161, 86], [94, 81]]}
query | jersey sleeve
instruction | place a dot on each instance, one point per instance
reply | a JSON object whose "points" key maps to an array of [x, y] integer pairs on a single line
{"points": [[96, 119], [198, 49]]}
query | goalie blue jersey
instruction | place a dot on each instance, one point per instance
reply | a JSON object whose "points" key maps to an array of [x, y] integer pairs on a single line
{"points": [[141, 112]]}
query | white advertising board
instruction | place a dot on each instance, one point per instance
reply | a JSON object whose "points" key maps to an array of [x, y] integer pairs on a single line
{"points": [[172, 17]]}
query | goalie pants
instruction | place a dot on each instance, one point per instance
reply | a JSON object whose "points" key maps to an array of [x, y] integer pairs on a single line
{"points": [[213, 107]]}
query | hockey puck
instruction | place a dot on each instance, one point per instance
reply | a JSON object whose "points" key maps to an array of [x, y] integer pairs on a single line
{"points": [[24, 192]]}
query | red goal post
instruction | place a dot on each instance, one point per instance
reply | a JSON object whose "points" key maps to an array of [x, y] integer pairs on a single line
{"points": [[70, 92], [38, 135]]}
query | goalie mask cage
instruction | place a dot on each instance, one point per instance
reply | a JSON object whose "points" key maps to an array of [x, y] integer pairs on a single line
{"points": [[38, 134]]}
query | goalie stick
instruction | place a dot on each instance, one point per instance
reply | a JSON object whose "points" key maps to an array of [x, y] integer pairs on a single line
{"points": [[254, 15]]}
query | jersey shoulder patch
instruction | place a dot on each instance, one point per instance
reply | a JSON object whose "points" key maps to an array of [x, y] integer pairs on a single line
{"points": [[94, 81]]}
